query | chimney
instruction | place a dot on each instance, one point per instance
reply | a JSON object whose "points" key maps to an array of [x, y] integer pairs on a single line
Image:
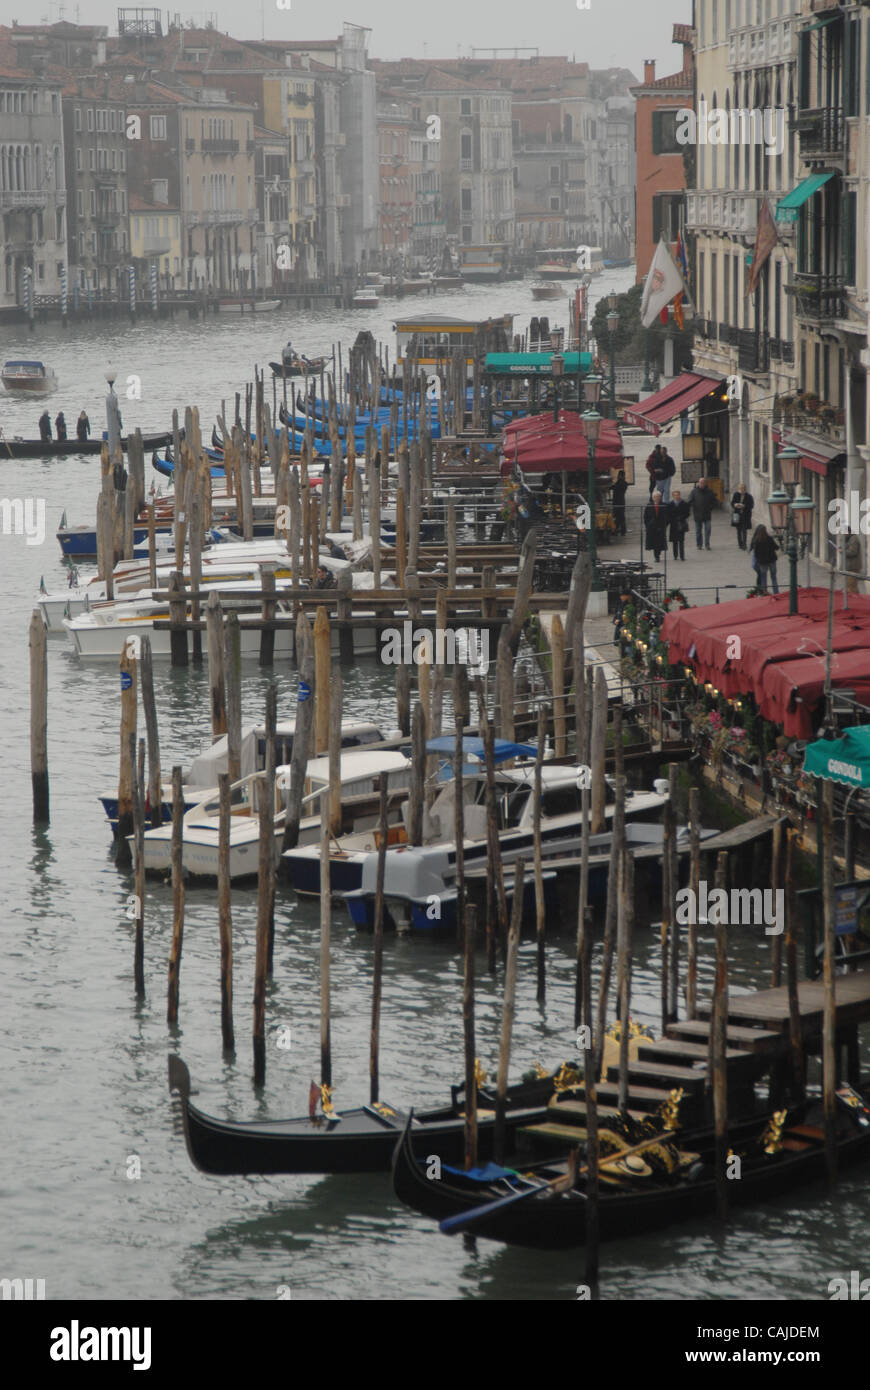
{"points": [[649, 71]]}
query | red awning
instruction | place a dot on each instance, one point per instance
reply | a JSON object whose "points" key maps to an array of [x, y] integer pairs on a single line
{"points": [[652, 414], [776, 657], [540, 444], [815, 454]]}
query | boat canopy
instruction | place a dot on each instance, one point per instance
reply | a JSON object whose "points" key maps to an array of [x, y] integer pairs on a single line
{"points": [[845, 759], [473, 747], [21, 362]]}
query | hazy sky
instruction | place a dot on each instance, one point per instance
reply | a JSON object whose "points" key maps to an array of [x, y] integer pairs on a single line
{"points": [[609, 33]]}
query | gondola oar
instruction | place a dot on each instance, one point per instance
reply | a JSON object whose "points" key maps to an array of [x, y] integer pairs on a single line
{"points": [[465, 1218], [562, 1184]]}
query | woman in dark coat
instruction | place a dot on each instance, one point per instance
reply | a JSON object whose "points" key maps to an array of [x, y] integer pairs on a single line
{"points": [[618, 491], [60, 425], [764, 552], [655, 519], [678, 525], [741, 513]]}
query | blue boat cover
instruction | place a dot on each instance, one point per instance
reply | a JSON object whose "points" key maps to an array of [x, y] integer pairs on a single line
{"points": [[502, 749], [487, 1172]]}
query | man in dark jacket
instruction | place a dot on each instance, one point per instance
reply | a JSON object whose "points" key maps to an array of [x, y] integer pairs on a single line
{"points": [[701, 506], [655, 519], [60, 425], [45, 426]]}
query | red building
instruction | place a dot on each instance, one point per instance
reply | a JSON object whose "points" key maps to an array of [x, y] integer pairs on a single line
{"points": [[661, 175]]}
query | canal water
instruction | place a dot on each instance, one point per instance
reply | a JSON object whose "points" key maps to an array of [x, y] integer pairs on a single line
{"points": [[84, 1092]]}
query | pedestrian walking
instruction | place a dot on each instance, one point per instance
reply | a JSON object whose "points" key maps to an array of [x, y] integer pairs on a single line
{"points": [[653, 465], [678, 525], [60, 425], [45, 426], [620, 488], [83, 427], [764, 552], [667, 470], [701, 506], [741, 513], [656, 516]]}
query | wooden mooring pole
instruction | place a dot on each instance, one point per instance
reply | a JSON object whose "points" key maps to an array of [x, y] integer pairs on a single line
{"points": [[177, 898], [378, 972], [225, 922], [508, 1010], [39, 718]]}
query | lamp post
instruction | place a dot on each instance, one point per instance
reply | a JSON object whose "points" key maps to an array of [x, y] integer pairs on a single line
{"points": [[591, 428], [791, 516], [612, 324], [557, 367]]}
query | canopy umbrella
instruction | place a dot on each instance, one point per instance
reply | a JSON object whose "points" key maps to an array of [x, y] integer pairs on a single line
{"points": [[682, 628], [553, 446], [845, 759], [793, 690]]}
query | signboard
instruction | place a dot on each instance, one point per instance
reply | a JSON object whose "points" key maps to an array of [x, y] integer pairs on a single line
{"points": [[304, 692], [691, 471], [846, 910]]}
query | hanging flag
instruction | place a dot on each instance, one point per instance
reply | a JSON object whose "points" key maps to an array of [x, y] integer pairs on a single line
{"points": [[681, 257], [765, 239], [678, 310], [663, 281], [663, 316]]}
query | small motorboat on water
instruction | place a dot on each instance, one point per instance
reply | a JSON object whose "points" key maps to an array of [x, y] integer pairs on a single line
{"points": [[368, 297], [546, 289], [22, 374]]}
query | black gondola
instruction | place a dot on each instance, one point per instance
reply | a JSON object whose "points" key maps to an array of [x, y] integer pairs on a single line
{"points": [[68, 448], [298, 366], [522, 1207], [361, 1141]]}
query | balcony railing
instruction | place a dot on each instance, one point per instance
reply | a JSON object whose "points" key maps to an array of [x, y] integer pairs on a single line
{"points": [[788, 353], [817, 297], [220, 146], [23, 198], [728, 333], [226, 216], [466, 166], [821, 132], [752, 351]]}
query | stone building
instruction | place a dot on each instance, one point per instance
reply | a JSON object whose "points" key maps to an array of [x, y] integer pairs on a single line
{"points": [[33, 198], [96, 147]]}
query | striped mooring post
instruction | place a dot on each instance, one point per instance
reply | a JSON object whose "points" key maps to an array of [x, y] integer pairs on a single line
{"points": [[63, 293], [154, 288], [132, 280]]}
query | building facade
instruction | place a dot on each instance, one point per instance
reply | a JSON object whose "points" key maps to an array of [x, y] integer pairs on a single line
{"points": [[96, 147], [33, 198], [661, 158]]}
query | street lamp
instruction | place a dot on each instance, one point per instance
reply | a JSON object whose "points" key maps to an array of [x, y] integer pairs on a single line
{"points": [[791, 516], [557, 367], [612, 325], [592, 428]]}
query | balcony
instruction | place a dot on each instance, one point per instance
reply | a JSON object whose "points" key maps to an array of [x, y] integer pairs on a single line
{"points": [[821, 133], [818, 298], [224, 217], [189, 146], [222, 146], [752, 351], [466, 166], [723, 212], [23, 198], [728, 334], [156, 246]]}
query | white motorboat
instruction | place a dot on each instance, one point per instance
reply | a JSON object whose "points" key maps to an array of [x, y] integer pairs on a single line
{"points": [[417, 875], [201, 780], [367, 298], [360, 774]]}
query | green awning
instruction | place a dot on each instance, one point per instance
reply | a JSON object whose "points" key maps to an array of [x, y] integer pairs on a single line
{"points": [[788, 207], [845, 759], [535, 363], [820, 23]]}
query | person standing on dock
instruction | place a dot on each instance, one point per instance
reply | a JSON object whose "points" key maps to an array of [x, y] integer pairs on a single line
{"points": [[60, 425], [764, 551], [83, 427], [45, 426]]}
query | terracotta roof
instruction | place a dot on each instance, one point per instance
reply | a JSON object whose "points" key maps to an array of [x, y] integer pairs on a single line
{"points": [[684, 33], [676, 82], [137, 204]]}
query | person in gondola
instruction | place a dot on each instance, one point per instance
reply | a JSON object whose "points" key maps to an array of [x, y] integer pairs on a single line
{"points": [[83, 427], [45, 426], [617, 496], [60, 425], [323, 578], [287, 353], [655, 519]]}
